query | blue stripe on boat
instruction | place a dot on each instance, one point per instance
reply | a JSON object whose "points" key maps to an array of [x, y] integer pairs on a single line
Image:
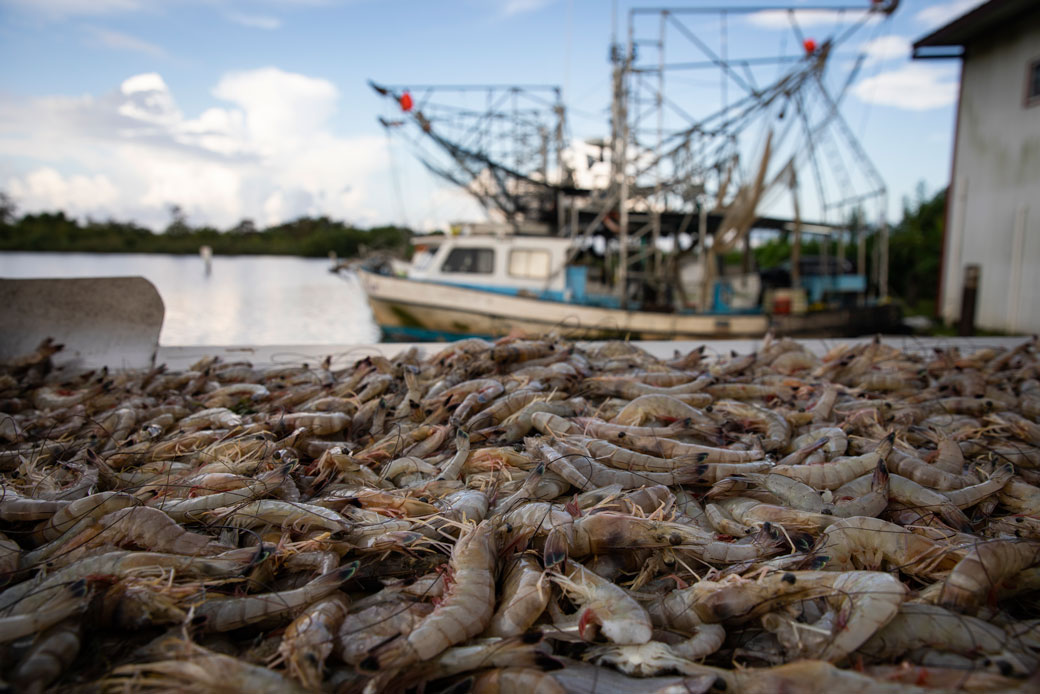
{"points": [[398, 333]]}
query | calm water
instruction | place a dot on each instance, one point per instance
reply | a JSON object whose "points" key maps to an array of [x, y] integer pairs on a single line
{"points": [[246, 300]]}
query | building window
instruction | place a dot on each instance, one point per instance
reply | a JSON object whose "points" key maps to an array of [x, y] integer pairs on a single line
{"points": [[479, 261], [1033, 84], [529, 264]]}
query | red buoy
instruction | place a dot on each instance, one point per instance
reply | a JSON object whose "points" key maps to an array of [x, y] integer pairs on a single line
{"points": [[406, 102], [810, 46]]}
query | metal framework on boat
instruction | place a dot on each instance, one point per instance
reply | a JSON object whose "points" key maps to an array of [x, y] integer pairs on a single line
{"points": [[676, 149], [504, 143], [703, 161]]}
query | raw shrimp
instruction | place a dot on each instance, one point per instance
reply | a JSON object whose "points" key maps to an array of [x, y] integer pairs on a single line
{"points": [[862, 602], [190, 509], [983, 568], [969, 496], [464, 612], [665, 408], [32, 595], [93, 506], [317, 423], [508, 405], [225, 614], [838, 472], [577, 467], [514, 680], [451, 469], [774, 428], [872, 543], [50, 655], [72, 599], [524, 595], [194, 668], [619, 617], [144, 527], [520, 350], [919, 626], [905, 493], [752, 512], [625, 388], [669, 448], [366, 627]]}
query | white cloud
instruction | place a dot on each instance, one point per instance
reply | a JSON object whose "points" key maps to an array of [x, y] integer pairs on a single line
{"points": [[46, 189], [937, 15], [147, 99], [255, 21], [914, 87], [268, 154], [124, 42], [279, 105], [781, 19], [885, 48]]}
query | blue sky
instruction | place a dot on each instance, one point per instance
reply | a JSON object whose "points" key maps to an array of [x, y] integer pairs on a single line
{"points": [[234, 109]]}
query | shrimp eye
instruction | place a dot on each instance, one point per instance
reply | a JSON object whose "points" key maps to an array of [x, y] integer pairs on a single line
{"points": [[621, 435], [719, 684], [675, 539], [789, 578], [827, 512], [1005, 668]]}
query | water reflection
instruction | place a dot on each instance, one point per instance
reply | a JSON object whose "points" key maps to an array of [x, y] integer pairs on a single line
{"points": [[246, 300]]}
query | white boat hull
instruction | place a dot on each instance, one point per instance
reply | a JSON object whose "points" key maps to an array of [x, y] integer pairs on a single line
{"points": [[403, 305]]}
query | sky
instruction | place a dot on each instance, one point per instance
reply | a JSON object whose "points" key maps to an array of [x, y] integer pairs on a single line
{"points": [[236, 109]]}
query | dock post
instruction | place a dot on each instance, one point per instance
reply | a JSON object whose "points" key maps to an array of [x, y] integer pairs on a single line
{"points": [[206, 253], [969, 296]]}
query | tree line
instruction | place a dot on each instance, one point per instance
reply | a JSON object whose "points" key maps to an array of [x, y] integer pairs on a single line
{"points": [[306, 236]]}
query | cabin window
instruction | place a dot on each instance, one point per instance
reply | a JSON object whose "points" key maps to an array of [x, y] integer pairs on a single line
{"points": [[529, 264], [1033, 84], [479, 261]]}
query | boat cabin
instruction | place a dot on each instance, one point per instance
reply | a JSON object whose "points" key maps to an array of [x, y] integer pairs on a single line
{"points": [[534, 266]]}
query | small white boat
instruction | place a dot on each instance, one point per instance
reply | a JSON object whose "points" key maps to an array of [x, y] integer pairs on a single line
{"points": [[490, 282], [493, 283]]}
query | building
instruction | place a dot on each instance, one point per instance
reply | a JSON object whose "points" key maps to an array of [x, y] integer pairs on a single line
{"points": [[993, 207]]}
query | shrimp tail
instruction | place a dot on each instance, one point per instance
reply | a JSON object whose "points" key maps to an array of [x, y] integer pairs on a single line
{"points": [[556, 549], [879, 481]]}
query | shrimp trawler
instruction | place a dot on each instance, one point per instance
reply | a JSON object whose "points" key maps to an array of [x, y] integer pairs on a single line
{"points": [[650, 234]]}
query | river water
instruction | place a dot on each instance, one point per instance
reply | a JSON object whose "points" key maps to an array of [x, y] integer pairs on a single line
{"points": [[244, 300]]}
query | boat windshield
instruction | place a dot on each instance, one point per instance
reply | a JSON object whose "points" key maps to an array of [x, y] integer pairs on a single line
{"points": [[421, 259]]}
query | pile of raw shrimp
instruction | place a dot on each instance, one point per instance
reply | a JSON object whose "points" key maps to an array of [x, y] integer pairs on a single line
{"points": [[526, 515]]}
